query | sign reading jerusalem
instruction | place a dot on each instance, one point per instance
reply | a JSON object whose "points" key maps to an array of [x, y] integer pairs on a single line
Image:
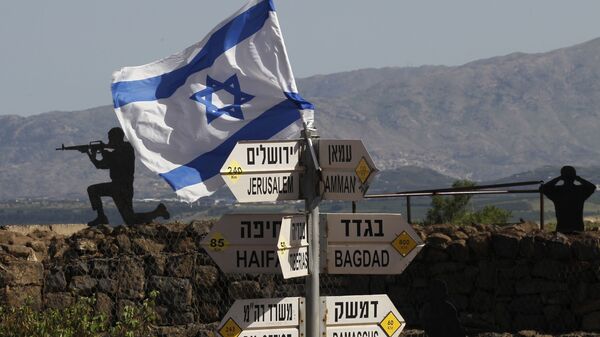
{"points": [[347, 169], [268, 170], [370, 243]]}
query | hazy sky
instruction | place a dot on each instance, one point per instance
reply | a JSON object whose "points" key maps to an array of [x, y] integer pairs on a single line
{"points": [[60, 54]]}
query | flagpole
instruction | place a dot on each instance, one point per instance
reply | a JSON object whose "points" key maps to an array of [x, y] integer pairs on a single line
{"points": [[312, 179]]}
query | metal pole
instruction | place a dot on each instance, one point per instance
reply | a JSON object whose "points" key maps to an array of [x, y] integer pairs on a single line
{"points": [[473, 188], [312, 284], [541, 209], [312, 281], [429, 194], [408, 217]]}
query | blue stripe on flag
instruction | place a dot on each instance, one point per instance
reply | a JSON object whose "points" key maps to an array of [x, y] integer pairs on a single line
{"points": [[209, 164], [300, 102], [163, 86]]}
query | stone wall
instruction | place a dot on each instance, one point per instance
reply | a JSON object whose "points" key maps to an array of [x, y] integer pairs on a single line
{"points": [[500, 279], [509, 279]]}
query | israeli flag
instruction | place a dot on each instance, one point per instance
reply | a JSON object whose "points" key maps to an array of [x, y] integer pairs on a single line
{"points": [[185, 113]]}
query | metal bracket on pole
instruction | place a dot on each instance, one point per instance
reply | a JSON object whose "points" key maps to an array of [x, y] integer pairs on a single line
{"points": [[308, 135], [408, 215], [313, 178], [313, 155]]}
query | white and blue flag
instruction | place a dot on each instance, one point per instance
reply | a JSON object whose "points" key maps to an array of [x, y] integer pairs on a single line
{"points": [[185, 113]]}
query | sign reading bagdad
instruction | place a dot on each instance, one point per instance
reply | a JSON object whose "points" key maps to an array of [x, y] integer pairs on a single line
{"points": [[347, 169], [264, 171], [370, 243]]}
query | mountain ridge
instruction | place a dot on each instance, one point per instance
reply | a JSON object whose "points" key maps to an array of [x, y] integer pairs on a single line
{"points": [[482, 120], [498, 116]]}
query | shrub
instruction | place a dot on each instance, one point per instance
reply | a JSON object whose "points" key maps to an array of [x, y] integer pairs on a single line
{"points": [[76, 320], [487, 215]]}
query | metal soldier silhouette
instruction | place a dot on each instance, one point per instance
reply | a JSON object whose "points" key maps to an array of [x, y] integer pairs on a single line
{"points": [[119, 158], [568, 199]]}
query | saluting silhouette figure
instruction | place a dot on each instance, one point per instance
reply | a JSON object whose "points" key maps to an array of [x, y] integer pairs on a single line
{"points": [[568, 199], [119, 159]]}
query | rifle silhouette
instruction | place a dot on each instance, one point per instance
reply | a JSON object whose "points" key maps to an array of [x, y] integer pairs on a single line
{"points": [[94, 147]]}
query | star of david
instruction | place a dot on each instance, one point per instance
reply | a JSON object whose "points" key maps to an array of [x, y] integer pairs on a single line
{"points": [[232, 86]]}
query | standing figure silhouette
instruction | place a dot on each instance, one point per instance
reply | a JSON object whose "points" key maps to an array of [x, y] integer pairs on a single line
{"points": [[568, 199], [119, 158]]}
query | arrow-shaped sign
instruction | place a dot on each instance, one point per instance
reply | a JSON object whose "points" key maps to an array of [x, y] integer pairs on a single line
{"points": [[266, 170], [347, 169], [245, 243], [370, 243], [293, 246], [370, 315], [365, 315], [264, 317]]}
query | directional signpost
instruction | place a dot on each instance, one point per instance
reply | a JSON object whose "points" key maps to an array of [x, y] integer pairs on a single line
{"points": [[293, 246], [372, 315], [277, 317], [347, 169], [370, 243], [264, 171], [245, 243]]}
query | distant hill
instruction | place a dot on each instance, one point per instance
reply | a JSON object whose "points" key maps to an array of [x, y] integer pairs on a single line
{"points": [[483, 120], [546, 173], [31, 167]]}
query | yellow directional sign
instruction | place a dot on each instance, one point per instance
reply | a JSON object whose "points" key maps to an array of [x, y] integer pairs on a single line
{"points": [[363, 170], [390, 324], [404, 243], [217, 242], [233, 171], [230, 329]]}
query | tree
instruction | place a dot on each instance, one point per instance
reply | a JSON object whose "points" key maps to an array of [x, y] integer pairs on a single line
{"points": [[445, 209], [453, 209]]}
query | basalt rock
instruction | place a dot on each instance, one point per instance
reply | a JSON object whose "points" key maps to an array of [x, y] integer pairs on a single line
{"points": [[517, 279]]}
